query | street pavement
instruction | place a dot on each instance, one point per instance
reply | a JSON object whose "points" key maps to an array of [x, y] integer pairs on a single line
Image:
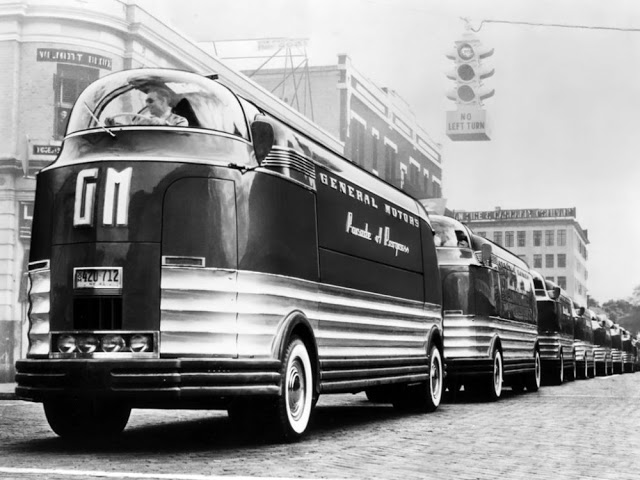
{"points": [[583, 430]]}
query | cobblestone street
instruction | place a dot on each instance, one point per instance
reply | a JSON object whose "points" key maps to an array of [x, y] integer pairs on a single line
{"points": [[581, 430]]}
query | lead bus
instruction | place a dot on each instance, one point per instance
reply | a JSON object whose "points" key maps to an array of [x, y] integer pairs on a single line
{"points": [[490, 332], [225, 261]]}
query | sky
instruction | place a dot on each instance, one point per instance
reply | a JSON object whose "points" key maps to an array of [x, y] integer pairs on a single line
{"points": [[565, 118]]}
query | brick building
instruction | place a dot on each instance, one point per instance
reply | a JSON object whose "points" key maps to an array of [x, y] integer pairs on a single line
{"points": [[550, 240], [377, 127]]}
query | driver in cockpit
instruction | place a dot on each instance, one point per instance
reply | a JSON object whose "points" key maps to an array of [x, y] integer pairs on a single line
{"points": [[158, 103]]}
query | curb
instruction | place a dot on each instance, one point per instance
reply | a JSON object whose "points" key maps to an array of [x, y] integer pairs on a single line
{"points": [[8, 392]]}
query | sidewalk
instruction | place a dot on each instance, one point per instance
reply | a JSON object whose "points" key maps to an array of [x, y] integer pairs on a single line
{"points": [[8, 391]]}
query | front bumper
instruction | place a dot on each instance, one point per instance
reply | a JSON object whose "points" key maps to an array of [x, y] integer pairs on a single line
{"points": [[147, 382]]}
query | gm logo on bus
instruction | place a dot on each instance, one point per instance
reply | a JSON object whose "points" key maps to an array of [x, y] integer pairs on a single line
{"points": [[115, 210]]}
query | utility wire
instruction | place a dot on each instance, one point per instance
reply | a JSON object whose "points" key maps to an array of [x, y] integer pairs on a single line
{"points": [[541, 24]]}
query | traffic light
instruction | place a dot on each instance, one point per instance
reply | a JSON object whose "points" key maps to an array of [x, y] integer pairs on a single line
{"points": [[469, 72]]}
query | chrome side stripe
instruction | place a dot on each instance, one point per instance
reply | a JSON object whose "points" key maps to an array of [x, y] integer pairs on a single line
{"points": [[40, 304], [202, 311]]}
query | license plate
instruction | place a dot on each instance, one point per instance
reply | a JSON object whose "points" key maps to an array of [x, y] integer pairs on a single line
{"points": [[97, 277]]}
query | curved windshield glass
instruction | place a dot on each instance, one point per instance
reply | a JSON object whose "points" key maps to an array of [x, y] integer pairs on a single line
{"points": [[449, 232], [154, 97]]}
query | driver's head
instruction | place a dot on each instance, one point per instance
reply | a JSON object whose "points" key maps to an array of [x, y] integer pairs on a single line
{"points": [[158, 102]]}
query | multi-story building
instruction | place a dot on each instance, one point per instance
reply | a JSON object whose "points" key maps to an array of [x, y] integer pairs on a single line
{"points": [[377, 127], [550, 240]]}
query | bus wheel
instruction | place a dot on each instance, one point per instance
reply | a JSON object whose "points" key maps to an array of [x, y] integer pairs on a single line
{"points": [[573, 371], [585, 373], [494, 387], [426, 396], [88, 419], [292, 409], [558, 374], [532, 380]]}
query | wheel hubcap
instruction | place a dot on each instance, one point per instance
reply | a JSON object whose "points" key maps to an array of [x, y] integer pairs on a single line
{"points": [[296, 389], [436, 385], [497, 374]]}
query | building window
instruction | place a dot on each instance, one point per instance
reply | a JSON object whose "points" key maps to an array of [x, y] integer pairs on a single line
{"points": [[69, 82], [562, 260], [374, 153], [522, 238], [562, 238], [537, 238], [548, 260], [508, 239], [548, 238], [562, 282], [390, 165], [549, 278], [497, 237], [482, 234], [537, 260], [357, 142], [523, 258]]}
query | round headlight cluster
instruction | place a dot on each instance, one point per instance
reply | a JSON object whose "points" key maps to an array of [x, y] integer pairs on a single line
{"points": [[140, 343], [103, 343], [87, 344], [66, 344], [112, 343]]}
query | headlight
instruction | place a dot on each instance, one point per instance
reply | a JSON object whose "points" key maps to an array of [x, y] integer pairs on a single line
{"points": [[66, 344], [88, 344], [112, 343], [140, 343]]}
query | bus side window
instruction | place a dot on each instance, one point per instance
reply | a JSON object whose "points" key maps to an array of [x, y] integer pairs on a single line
{"points": [[486, 287]]}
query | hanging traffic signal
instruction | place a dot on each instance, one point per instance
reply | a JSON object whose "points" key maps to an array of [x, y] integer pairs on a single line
{"points": [[469, 72]]}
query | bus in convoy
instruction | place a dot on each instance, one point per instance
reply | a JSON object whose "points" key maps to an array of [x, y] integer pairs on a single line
{"points": [[616, 346], [209, 255], [628, 352], [602, 345], [555, 331], [583, 342], [489, 309]]}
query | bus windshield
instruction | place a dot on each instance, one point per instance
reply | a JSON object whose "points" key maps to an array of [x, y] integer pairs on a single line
{"points": [[449, 232], [152, 98]]}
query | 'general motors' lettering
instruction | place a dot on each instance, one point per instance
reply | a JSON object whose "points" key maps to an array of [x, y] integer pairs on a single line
{"points": [[352, 192]]}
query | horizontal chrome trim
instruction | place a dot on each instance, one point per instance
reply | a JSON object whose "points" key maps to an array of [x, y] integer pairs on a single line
{"points": [[154, 128], [211, 311], [470, 336], [183, 261], [39, 311], [290, 158]]}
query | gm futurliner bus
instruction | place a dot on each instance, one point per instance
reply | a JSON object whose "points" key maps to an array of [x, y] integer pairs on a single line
{"points": [[230, 263], [490, 331]]}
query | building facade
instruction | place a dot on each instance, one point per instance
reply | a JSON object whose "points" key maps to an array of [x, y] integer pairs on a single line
{"points": [[50, 51], [550, 240], [377, 127]]}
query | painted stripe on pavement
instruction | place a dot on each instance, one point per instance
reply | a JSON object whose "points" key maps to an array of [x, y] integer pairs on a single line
{"points": [[168, 476]]}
